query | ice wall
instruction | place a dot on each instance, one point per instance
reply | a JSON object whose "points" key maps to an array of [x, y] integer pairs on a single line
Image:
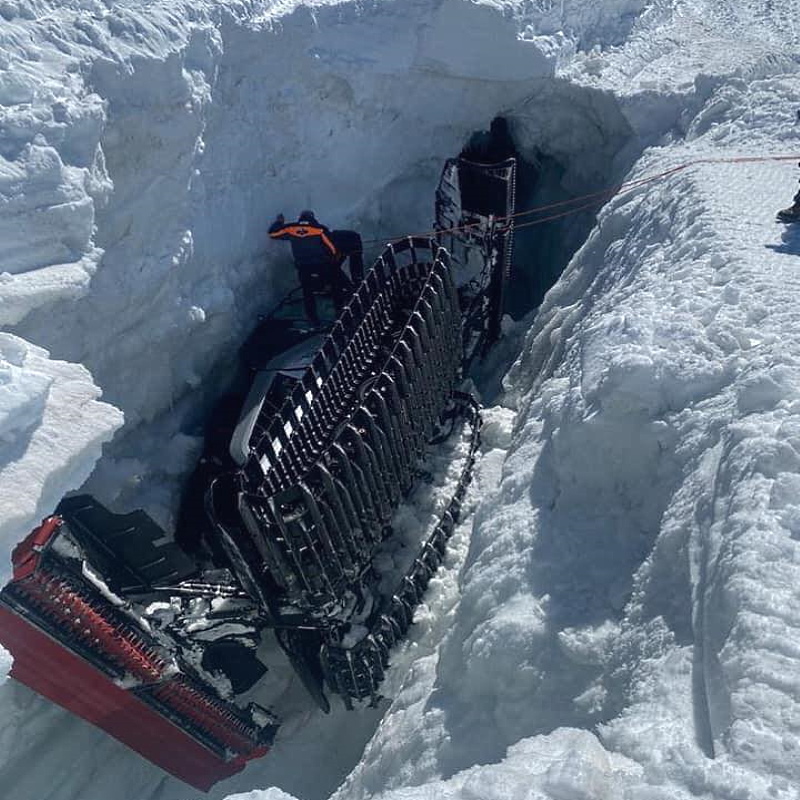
{"points": [[148, 148], [627, 599], [143, 150], [627, 619], [212, 121], [52, 180]]}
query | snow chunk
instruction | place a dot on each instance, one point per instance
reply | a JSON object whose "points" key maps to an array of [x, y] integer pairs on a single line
{"points": [[5, 664], [52, 427], [566, 765], [497, 427]]}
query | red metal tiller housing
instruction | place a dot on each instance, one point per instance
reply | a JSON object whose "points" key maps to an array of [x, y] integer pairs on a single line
{"points": [[73, 647]]}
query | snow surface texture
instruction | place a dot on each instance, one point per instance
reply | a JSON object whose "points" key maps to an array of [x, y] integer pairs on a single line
{"points": [[5, 664], [51, 431], [625, 621]]}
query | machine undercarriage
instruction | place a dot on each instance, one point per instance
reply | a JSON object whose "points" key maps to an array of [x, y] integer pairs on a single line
{"points": [[155, 638]]}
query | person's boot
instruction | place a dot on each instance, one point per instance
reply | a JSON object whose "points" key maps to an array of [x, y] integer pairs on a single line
{"points": [[791, 214]]}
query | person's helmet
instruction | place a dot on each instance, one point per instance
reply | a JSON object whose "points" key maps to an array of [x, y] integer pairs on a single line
{"points": [[307, 216]]}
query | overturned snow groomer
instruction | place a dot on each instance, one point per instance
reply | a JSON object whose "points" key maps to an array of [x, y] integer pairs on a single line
{"points": [[158, 639]]}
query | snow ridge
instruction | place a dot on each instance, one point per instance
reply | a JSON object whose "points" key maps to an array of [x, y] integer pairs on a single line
{"points": [[634, 577]]}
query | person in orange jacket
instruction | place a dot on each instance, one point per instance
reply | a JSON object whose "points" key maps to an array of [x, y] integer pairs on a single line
{"points": [[319, 253]]}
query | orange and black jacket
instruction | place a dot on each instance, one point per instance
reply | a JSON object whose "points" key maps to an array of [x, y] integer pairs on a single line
{"points": [[312, 246]]}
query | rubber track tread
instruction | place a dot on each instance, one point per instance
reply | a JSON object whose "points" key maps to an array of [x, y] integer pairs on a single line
{"points": [[356, 672]]}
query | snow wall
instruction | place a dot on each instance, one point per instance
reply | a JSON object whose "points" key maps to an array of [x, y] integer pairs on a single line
{"points": [[624, 621], [145, 152]]}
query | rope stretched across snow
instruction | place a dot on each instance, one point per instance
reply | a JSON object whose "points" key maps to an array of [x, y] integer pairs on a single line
{"points": [[594, 198]]}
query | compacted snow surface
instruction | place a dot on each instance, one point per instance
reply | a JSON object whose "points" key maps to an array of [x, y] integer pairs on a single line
{"points": [[619, 613]]}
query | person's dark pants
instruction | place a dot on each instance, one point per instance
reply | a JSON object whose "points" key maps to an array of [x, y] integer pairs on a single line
{"points": [[341, 286], [349, 245], [314, 279], [308, 282]]}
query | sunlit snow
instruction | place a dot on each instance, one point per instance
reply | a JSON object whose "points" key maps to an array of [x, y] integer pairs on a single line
{"points": [[619, 613]]}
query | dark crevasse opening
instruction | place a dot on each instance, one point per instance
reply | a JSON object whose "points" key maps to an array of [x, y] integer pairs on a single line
{"points": [[549, 227]]}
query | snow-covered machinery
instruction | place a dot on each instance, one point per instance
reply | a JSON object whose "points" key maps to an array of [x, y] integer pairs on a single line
{"points": [[475, 219], [157, 639], [96, 646]]}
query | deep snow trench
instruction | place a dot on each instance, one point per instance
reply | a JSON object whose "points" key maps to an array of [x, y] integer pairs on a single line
{"points": [[599, 589], [161, 146], [187, 139]]}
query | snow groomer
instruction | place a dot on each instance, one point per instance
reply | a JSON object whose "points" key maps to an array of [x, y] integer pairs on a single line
{"points": [[318, 254]]}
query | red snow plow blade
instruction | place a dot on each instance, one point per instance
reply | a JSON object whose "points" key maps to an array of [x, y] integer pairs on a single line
{"points": [[73, 645]]}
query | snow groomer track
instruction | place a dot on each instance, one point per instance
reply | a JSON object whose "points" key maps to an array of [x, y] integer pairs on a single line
{"points": [[157, 645], [325, 474]]}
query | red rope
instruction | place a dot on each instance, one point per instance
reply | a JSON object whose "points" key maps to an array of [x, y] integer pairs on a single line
{"points": [[595, 197]]}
